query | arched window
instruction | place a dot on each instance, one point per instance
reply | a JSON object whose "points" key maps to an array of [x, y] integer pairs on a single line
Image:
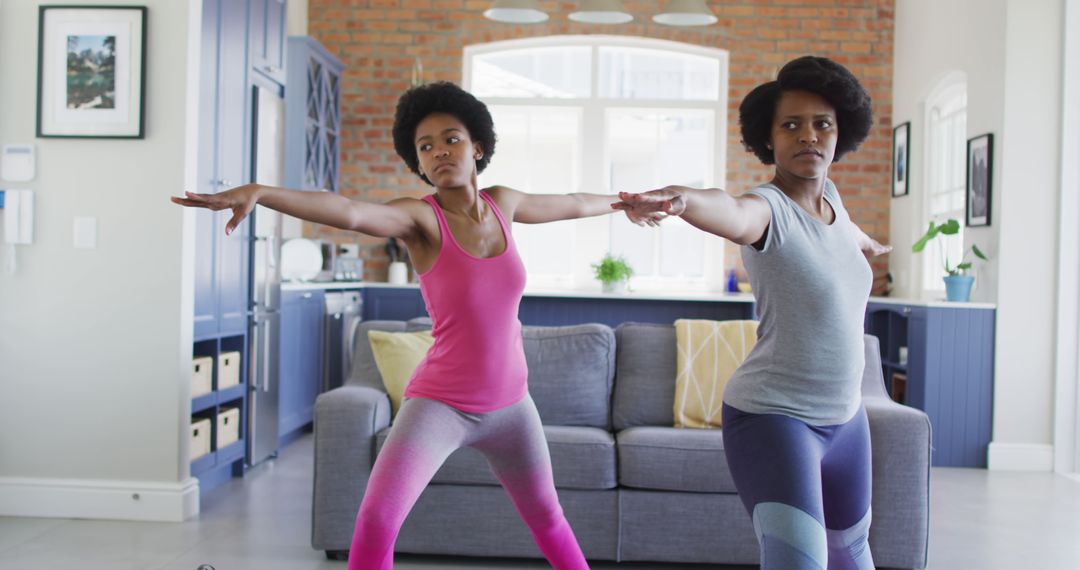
{"points": [[603, 114], [946, 139]]}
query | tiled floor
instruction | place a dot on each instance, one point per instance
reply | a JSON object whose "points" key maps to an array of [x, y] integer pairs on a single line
{"points": [[979, 520]]}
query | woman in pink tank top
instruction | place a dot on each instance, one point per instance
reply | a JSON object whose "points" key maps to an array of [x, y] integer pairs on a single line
{"points": [[470, 390]]}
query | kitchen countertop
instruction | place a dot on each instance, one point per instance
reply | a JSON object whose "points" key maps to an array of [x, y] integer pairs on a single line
{"points": [[938, 303], [325, 285], [715, 297], [573, 294]]}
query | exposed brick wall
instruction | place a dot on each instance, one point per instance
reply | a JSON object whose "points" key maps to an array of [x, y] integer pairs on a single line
{"points": [[378, 40]]}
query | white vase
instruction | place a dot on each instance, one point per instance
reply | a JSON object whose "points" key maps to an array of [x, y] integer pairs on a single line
{"points": [[615, 286], [398, 273]]}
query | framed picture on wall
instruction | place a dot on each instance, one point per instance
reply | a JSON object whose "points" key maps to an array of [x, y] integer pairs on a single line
{"points": [[980, 170], [91, 71], [901, 159]]}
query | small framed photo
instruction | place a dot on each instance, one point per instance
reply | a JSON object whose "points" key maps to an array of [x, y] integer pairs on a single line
{"points": [[901, 159], [91, 71], [980, 177]]}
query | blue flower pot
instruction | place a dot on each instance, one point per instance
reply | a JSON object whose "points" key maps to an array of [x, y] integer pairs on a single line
{"points": [[958, 288]]}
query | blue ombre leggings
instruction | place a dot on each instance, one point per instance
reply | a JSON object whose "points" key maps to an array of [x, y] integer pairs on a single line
{"points": [[807, 488]]}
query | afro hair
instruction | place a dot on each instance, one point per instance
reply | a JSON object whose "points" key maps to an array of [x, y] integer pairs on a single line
{"points": [[819, 75], [441, 97]]}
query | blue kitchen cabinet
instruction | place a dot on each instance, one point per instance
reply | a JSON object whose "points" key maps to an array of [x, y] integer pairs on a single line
{"points": [[300, 362], [392, 303], [404, 303], [312, 116], [267, 38], [613, 311], [222, 266], [940, 359]]}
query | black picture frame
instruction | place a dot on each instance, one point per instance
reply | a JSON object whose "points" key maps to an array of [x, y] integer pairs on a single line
{"points": [[979, 185], [901, 159], [91, 79]]}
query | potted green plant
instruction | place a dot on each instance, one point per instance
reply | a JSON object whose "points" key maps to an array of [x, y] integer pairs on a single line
{"points": [[957, 283], [613, 272]]}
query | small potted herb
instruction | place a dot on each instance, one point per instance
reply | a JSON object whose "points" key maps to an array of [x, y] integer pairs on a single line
{"points": [[613, 272], [957, 283]]}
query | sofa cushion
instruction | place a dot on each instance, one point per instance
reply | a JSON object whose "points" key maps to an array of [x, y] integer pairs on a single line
{"points": [[397, 354], [645, 387], [362, 369], [673, 459], [571, 371], [708, 352], [581, 458]]}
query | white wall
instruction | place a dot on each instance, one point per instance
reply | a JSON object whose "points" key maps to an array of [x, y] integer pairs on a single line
{"points": [[1066, 400], [932, 39], [1030, 180], [95, 344], [1010, 51]]}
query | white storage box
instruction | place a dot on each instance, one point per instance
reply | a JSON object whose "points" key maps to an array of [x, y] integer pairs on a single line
{"points": [[201, 371], [228, 426], [228, 371], [200, 437]]}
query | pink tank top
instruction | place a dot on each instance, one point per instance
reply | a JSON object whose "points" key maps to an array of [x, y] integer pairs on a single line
{"points": [[477, 363]]}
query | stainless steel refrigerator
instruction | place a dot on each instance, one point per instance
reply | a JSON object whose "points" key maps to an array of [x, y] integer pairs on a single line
{"points": [[264, 327]]}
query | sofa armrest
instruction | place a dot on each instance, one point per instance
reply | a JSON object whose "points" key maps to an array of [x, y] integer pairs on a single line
{"points": [[346, 421], [900, 443]]}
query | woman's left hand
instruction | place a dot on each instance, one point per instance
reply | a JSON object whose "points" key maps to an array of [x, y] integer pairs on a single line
{"points": [[873, 248], [649, 208], [241, 200]]}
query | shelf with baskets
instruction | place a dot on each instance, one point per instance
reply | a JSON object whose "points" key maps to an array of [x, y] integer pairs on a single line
{"points": [[217, 409]]}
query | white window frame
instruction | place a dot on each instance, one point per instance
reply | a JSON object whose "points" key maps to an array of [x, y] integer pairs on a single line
{"points": [[594, 234], [947, 89]]}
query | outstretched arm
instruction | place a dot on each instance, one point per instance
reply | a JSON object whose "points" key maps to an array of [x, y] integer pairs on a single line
{"points": [[392, 219], [741, 219], [869, 246], [541, 208]]}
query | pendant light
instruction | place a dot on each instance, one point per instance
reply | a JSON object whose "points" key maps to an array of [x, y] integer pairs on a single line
{"points": [[686, 13], [601, 12], [516, 12]]}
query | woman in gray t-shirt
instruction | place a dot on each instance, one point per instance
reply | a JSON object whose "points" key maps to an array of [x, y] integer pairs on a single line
{"points": [[795, 432]]}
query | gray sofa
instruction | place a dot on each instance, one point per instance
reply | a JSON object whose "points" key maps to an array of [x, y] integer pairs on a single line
{"points": [[632, 486]]}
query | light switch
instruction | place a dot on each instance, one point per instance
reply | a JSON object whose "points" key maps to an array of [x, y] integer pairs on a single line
{"points": [[85, 233]]}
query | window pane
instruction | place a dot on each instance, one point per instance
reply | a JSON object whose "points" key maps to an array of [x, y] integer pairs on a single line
{"points": [[946, 134], [637, 73], [556, 72], [648, 149], [682, 250], [538, 152]]}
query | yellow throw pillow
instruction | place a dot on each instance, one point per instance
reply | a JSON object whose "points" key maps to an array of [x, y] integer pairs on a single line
{"points": [[708, 354], [396, 356]]}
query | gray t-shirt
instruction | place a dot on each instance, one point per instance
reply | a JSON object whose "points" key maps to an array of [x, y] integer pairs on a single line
{"points": [[812, 283]]}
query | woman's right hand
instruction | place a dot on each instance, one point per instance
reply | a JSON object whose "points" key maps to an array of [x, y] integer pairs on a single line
{"points": [[649, 208], [241, 200]]}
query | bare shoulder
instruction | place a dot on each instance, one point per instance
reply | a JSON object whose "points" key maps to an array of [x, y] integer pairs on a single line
{"points": [[424, 220], [499, 193], [408, 204], [506, 198]]}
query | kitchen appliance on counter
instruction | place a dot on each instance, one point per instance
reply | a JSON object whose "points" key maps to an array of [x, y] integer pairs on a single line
{"points": [[343, 314], [301, 260], [264, 325], [349, 269], [329, 252]]}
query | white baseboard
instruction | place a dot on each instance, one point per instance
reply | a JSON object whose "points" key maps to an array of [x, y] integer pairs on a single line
{"points": [[1020, 457], [93, 499]]}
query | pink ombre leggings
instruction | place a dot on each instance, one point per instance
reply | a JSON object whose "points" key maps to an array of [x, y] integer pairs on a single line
{"points": [[425, 433]]}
